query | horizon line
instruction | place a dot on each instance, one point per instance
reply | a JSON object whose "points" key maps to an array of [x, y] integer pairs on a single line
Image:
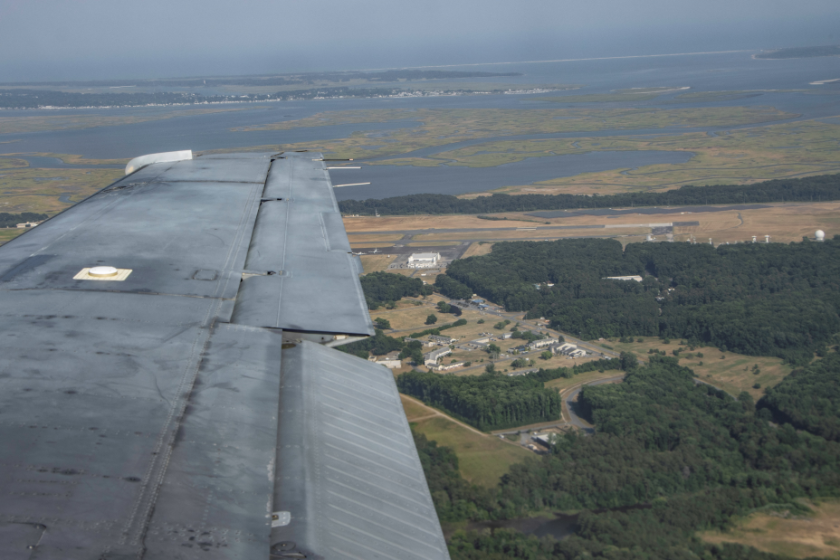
{"points": [[558, 60]]}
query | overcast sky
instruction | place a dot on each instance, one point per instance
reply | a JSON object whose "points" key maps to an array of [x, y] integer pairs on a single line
{"points": [[97, 39]]}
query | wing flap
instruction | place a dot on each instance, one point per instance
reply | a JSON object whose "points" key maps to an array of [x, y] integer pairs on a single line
{"points": [[215, 499], [304, 275], [348, 473]]}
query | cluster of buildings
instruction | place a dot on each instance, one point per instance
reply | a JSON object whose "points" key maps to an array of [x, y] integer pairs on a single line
{"points": [[569, 350], [439, 345]]}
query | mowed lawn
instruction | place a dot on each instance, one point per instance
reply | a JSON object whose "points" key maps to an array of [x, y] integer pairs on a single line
{"points": [[732, 372], [483, 459], [817, 535], [562, 383], [9, 234], [376, 263]]}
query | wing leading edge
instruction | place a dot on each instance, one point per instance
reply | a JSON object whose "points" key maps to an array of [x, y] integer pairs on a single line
{"points": [[157, 416]]}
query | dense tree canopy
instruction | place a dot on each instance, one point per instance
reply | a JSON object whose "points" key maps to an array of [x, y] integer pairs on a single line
{"points": [[809, 398], [756, 299], [490, 401], [452, 288], [381, 287], [806, 189], [493, 401], [669, 458], [11, 220]]}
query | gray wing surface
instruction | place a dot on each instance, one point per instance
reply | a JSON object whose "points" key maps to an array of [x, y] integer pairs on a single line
{"points": [[184, 408]]}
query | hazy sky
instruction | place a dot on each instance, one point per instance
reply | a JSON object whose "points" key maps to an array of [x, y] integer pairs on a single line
{"points": [[93, 39]]}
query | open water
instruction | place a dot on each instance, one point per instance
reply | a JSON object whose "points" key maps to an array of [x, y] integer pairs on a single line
{"points": [[708, 72]]}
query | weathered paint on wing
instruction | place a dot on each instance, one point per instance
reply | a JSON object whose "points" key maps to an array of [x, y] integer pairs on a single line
{"points": [[148, 416]]}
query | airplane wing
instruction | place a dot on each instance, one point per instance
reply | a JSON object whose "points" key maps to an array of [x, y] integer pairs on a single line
{"points": [[167, 387]]}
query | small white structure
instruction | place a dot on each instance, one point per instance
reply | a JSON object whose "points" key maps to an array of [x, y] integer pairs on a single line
{"points": [[390, 360], [449, 367], [438, 339], [624, 278], [421, 341], [564, 348], [820, 235], [423, 260], [541, 343], [431, 358], [546, 440]]}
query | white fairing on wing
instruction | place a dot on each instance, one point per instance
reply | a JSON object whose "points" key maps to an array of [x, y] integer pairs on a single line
{"points": [[164, 157]]}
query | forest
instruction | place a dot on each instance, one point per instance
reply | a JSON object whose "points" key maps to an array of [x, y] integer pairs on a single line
{"points": [[669, 458], [490, 401], [11, 220], [755, 299], [809, 398], [806, 189], [382, 287], [493, 401], [451, 288]]}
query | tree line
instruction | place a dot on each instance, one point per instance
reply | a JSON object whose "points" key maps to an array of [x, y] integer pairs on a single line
{"points": [[669, 458], [383, 287], [756, 299], [494, 401], [806, 189], [11, 220], [809, 398]]}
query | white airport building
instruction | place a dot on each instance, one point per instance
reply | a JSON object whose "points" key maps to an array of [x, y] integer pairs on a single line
{"points": [[423, 260]]}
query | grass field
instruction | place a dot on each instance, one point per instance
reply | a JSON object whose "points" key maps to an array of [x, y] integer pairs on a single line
{"points": [[11, 163], [741, 156], [385, 224], [733, 373], [629, 97], [23, 123], [514, 235], [562, 384], [356, 238], [817, 535], [9, 234], [478, 249], [482, 459], [783, 222], [376, 263], [38, 190], [704, 96], [443, 126]]}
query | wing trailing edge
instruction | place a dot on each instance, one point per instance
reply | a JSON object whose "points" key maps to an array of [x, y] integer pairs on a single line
{"points": [[156, 414]]}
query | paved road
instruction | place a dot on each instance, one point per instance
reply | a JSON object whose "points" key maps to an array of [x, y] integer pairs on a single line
{"points": [[413, 232], [572, 396]]}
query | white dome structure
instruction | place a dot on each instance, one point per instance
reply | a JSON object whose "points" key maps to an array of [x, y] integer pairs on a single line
{"points": [[820, 235]]}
